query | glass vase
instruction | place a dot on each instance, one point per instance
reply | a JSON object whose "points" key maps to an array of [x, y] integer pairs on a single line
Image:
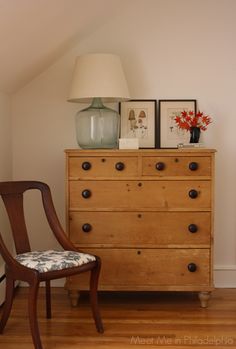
{"points": [[97, 126]]}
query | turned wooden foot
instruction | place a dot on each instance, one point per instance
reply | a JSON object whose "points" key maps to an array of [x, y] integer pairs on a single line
{"points": [[204, 298], [74, 297]]}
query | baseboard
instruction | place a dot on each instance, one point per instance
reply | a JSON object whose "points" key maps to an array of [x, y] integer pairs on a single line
{"points": [[58, 283], [225, 276], [54, 283]]}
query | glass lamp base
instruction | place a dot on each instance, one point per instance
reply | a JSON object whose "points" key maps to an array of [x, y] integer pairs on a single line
{"points": [[97, 126]]}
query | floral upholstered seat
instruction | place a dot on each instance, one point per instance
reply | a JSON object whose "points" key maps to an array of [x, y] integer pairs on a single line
{"points": [[53, 260]]}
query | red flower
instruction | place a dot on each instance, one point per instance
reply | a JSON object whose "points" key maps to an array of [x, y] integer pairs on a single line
{"points": [[186, 120]]}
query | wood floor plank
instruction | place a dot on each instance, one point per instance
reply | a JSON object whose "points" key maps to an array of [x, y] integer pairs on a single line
{"points": [[142, 319]]}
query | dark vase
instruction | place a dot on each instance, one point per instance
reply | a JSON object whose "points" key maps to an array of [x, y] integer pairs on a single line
{"points": [[194, 134]]}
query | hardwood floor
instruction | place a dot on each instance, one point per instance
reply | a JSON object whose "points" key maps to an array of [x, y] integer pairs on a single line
{"points": [[171, 320]]}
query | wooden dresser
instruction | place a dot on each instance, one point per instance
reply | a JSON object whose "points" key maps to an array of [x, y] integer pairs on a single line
{"points": [[147, 213]]}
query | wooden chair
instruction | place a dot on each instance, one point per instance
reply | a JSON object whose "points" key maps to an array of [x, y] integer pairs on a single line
{"points": [[34, 267]]}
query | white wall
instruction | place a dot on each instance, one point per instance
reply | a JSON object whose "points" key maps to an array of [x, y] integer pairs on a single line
{"points": [[170, 49], [5, 138], [5, 171]]}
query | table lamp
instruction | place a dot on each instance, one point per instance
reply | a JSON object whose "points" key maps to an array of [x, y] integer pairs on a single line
{"points": [[98, 78]]}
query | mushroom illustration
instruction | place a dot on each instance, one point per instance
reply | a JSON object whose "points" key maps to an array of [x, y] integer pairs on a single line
{"points": [[132, 120], [141, 117]]}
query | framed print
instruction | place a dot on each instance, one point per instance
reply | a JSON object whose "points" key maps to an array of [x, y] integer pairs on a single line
{"points": [[138, 120], [170, 134]]}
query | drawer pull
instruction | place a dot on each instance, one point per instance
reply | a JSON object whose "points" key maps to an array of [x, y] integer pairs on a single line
{"points": [[193, 166], [193, 194], [193, 228], [192, 267], [120, 166], [86, 165], [138, 252], [86, 227], [160, 166], [86, 193]]}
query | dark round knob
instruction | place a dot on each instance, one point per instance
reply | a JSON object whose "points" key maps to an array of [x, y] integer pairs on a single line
{"points": [[86, 193], [160, 166], [193, 194], [192, 228], [193, 166], [120, 166], [192, 267], [86, 165], [86, 227]]}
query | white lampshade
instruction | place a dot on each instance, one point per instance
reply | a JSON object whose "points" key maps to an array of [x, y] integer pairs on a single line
{"points": [[98, 75]]}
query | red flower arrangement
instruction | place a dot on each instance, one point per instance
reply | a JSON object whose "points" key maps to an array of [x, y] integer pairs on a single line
{"points": [[189, 119]]}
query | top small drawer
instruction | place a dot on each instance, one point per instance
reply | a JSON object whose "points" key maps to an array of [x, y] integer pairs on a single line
{"points": [[163, 166], [100, 166]]}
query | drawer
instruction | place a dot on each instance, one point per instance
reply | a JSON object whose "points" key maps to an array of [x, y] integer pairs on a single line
{"points": [[129, 268], [102, 166], [139, 194], [176, 166], [140, 228]]}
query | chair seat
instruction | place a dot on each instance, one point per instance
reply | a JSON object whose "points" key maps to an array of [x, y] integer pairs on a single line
{"points": [[51, 260]]}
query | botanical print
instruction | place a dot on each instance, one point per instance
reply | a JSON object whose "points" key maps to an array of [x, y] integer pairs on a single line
{"points": [[169, 110], [137, 122], [173, 132]]}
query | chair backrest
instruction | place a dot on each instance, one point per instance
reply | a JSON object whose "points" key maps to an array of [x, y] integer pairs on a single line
{"points": [[12, 196]]}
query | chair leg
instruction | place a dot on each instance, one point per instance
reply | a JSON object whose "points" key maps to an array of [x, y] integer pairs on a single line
{"points": [[8, 302], [93, 296], [32, 308], [48, 300]]}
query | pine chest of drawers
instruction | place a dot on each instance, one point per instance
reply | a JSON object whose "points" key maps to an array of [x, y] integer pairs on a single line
{"points": [[147, 213]]}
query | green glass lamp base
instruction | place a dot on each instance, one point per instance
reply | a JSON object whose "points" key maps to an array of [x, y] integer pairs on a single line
{"points": [[97, 126]]}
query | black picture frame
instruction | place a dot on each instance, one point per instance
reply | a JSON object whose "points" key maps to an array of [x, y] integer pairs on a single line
{"points": [[139, 119], [170, 134]]}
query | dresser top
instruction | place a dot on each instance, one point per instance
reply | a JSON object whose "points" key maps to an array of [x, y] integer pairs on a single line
{"points": [[141, 151]]}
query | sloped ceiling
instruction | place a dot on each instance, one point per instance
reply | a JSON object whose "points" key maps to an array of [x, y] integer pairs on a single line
{"points": [[33, 33]]}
